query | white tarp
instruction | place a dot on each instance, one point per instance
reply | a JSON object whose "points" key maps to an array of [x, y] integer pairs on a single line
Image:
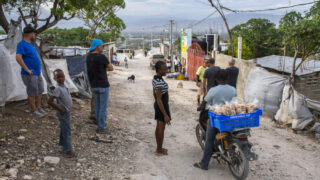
{"points": [[52, 65], [11, 84], [265, 87], [299, 111], [294, 109]]}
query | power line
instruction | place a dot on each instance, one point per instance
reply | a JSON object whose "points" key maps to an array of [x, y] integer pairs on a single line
{"points": [[269, 9], [202, 20]]}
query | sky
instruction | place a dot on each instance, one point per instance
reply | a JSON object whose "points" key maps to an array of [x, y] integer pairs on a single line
{"points": [[197, 9], [182, 9]]}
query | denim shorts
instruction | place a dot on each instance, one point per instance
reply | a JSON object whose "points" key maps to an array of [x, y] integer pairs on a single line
{"points": [[34, 84]]}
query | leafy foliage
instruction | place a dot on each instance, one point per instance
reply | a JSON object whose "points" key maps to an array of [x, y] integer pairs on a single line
{"points": [[70, 37], [260, 38], [100, 16], [302, 33]]}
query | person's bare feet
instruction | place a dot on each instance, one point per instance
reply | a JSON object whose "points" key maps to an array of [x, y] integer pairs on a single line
{"points": [[162, 152]]}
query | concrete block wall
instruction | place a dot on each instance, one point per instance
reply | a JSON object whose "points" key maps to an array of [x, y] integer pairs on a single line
{"points": [[244, 68]]}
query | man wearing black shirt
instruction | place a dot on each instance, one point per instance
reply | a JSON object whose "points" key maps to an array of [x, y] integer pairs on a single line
{"points": [[209, 77], [233, 73], [97, 65]]}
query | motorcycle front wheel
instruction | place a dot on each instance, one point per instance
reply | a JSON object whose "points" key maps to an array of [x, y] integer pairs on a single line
{"points": [[201, 136], [239, 165]]}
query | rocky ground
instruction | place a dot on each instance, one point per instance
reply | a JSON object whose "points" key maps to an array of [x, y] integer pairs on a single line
{"points": [[128, 151], [26, 144]]}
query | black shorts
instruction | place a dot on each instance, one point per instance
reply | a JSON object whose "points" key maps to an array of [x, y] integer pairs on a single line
{"points": [[158, 114]]}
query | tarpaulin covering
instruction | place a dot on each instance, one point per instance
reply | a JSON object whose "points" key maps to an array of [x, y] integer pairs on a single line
{"points": [[78, 72], [266, 87], [296, 109], [82, 83], [52, 65], [76, 65]]}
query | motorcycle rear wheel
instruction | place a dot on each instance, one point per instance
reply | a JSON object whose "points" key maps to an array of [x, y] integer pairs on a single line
{"points": [[201, 136], [239, 166]]}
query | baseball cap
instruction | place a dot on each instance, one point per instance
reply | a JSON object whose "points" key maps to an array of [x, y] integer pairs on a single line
{"points": [[95, 43], [29, 29]]}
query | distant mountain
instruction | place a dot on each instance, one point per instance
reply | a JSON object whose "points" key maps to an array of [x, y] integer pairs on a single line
{"points": [[216, 23]]}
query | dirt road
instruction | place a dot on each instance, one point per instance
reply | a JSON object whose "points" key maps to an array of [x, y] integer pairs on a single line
{"points": [[283, 155]]}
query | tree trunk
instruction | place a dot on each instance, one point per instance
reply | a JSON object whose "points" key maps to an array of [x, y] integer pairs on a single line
{"points": [[3, 20], [293, 73]]}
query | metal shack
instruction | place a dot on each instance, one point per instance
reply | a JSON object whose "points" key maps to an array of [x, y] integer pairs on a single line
{"points": [[307, 79]]}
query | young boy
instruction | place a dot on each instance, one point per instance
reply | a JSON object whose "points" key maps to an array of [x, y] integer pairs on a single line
{"points": [[63, 107]]}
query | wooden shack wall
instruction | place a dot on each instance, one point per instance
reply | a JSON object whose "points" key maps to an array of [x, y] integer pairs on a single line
{"points": [[309, 85]]}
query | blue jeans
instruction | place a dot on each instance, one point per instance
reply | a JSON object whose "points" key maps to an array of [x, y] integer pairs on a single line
{"points": [[101, 98], [65, 131], [208, 148]]}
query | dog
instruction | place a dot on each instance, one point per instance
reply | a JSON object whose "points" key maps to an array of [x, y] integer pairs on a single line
{"points": [[132, 78]]}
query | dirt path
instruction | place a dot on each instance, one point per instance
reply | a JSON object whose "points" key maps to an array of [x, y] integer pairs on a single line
{"points": [[283, 155]]}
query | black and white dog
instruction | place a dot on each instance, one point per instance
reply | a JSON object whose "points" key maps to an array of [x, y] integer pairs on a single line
{"points": [[132, 78]]}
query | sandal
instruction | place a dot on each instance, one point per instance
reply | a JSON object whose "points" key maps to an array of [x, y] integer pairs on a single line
{"points": [[71, 154], [198, 165]]}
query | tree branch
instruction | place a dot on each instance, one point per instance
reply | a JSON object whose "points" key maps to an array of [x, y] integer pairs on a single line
{"points": [[23, 17], [3, 20]]}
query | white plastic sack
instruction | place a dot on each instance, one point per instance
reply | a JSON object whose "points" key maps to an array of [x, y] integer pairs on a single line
{"points": [[299, 111], [265, 87], [283, 114], [52, 65], [11, 84]]}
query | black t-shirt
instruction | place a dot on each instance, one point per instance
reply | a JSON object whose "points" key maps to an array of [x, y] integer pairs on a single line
{"points": [[233, 73], [210, 74], [96, 66]]}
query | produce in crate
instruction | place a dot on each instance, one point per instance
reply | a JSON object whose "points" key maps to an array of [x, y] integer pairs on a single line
{"points": [[251, 108], [234, 109], [241, 108]]}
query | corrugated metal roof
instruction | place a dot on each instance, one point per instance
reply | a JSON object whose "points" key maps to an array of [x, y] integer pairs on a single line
{"points": [[284, 64]]}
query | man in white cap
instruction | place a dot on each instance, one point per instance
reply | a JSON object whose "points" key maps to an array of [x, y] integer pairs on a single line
{"points": [[97, 65], [233, 73]]}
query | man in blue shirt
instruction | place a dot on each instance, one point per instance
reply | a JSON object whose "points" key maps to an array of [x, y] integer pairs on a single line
{"points": [[28, 58], [218, 95]]}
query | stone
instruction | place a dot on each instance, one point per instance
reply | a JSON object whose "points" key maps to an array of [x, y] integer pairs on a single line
{"points": [[82, 160], [5, 152], [78, 164], [12, 172], [23, 130], [4, 178], [51, 169], [51, 160], [27, 177], [21, 139]]}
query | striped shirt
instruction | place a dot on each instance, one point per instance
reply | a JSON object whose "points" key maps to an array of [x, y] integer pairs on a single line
{"points": [[159, 83]]}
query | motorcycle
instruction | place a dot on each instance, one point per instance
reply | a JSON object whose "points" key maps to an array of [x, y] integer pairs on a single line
{"points": [[231, 148]]}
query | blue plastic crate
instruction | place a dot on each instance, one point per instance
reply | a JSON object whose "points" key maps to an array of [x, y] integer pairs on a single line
{"points": [[229, 123]]}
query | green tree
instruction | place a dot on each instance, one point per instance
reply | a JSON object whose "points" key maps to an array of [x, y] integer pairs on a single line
{"points": [[303, 33], [260, 38], [30, 12], [100, 17]]}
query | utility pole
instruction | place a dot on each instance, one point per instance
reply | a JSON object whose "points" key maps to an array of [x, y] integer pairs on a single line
{"points": [[171, 46], [239, 47], [151, 41]]}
